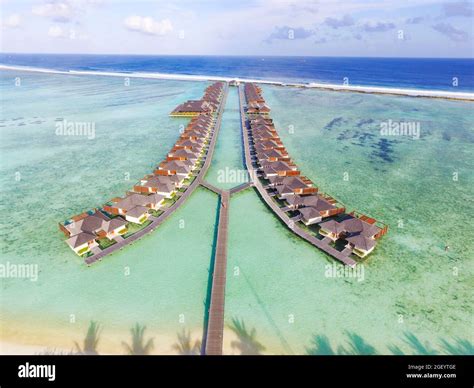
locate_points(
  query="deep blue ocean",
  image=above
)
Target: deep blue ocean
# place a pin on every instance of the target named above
(434, 74)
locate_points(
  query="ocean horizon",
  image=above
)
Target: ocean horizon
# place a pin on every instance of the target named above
(436, 74)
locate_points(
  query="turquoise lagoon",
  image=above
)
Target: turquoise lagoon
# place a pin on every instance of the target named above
(414, 294)
(227, 169)
(160, 281)
(276, 283)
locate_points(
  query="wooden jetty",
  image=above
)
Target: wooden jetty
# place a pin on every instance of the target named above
(215, 326)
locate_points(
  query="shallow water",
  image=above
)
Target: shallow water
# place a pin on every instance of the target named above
(276, 282)
(62, 176)
(411, 284)
(227, 168)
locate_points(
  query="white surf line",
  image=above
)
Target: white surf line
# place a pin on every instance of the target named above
(465, 96)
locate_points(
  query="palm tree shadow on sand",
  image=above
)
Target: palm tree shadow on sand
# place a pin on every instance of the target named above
(139, 346)
(91, 340)
(356, 345)
(458, 347)
(246, 343)
(185, 346)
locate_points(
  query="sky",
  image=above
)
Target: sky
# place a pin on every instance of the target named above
(363, 28)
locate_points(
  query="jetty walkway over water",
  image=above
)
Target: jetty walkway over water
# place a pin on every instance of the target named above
(156, 221)
(214, 331)
(342, 256)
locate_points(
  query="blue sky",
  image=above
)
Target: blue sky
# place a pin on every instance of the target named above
(380, 28)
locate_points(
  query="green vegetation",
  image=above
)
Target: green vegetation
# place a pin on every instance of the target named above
(155, 213)
(105, 242)
(170, 201)
(82, 251)
(134, 228)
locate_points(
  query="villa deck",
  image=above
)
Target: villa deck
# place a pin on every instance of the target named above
(342, 256)
(156, 221)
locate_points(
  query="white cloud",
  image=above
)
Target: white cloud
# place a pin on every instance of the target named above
(64, 11)
(59, 11)
(57, 32)
(147, 25)
(12, 21)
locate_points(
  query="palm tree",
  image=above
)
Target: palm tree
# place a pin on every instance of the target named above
(247, 344)
(358, 346)
(461, 347)
(185, 347)
(138, 347)
(320, 345)
(91, 340)
(419, 348)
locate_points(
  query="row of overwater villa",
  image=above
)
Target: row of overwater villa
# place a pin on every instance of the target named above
(296, 195)
(121, 217)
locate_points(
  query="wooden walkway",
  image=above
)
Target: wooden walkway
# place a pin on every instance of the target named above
(239, 188)
(157, 221)
(210, 187)
(343, 256)
(215, 325)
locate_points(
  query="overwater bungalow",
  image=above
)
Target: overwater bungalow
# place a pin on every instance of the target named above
(270, 169)
(269, 145)
(175, 167)
(331, 229)
(263, 135)
(253, 93)
(80, 228)
(154, 184)
(157, 199)
(320, 208)
(188, 144)
(291, 185)
(206, 106)
(194, 134)
(192, 108)
(117, 226)
(257, 108)
(359, 234)
(272, 155)
(257, 120)
(183, 154)
(82, 243)
(137, 214)
(279, 180)
(94, 222)
(86, 230)
(134, 207)
(361, 245)
(358, 231)
(90, 222)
